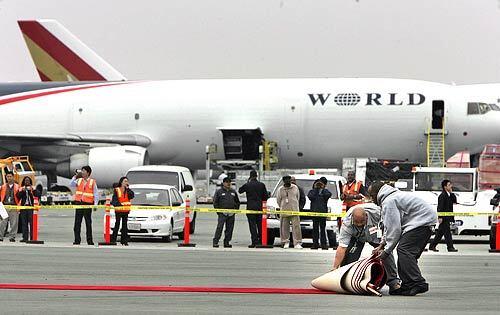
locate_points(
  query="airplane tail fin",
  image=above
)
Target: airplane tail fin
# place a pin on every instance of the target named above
(60, 56)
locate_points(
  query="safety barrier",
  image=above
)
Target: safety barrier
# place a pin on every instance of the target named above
(187, 226)
(235, 211)
(264, 227)
(107, 225)
(34, 232)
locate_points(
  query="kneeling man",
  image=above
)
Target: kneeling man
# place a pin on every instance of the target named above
(360, 226)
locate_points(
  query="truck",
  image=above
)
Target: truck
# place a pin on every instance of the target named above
(427, 185)
(20, 166)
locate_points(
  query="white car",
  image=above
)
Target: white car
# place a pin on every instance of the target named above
(306, 181)
(177, 176)
(164, 223)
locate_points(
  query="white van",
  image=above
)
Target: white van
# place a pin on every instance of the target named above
(177, 176)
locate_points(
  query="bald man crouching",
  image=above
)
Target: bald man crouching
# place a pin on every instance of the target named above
(360, 226)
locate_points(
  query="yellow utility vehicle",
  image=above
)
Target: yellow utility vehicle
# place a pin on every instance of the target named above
(20, 166)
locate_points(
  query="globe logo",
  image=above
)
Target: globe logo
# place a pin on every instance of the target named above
(347, 99)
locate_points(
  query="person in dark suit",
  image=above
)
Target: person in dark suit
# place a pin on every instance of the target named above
(26, 194)
(256, 193)
(445, 204)
(319, 197)
(225, 198)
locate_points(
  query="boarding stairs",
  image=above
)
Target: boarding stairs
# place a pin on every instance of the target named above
(435, 147)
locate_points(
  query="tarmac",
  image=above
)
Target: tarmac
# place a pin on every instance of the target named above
(460, 283)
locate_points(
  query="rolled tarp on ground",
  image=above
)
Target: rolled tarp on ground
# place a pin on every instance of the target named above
(365, 276)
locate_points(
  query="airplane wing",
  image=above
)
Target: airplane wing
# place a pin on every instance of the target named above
(121, 139)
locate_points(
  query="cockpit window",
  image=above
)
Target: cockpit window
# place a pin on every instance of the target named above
(483, 108)
(472, 109)
(494, 107)
(479, 108)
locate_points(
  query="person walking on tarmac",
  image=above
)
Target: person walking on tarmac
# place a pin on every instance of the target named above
(256, 193)
(225, 198)
(8, 196)
(445, 204)
(360, 226)
(26, 196)
(122, 195)
(353, 191)
(86, 194)
(408, 222)
(319, 197)
(287, 197)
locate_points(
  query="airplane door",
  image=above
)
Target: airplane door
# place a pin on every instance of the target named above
(437, 114)
(241, 144)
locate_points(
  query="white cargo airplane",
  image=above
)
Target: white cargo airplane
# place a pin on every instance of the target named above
(117, 124)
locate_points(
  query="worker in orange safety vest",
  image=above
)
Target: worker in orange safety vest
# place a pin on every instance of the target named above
(86, 194)
(8, 196)
(353, 192)
(122, 195)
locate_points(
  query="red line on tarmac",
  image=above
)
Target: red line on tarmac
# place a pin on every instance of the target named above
(67, 287)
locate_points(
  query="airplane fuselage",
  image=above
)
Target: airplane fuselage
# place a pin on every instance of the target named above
(316, 122)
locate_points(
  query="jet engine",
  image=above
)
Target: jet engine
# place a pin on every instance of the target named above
(108, 163)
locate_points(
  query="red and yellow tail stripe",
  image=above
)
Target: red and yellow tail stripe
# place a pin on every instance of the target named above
(54, 60)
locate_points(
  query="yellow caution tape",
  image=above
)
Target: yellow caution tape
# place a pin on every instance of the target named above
(464, 214)
(273, 212)
(234, 211)
(169, 208)
(71, 207)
